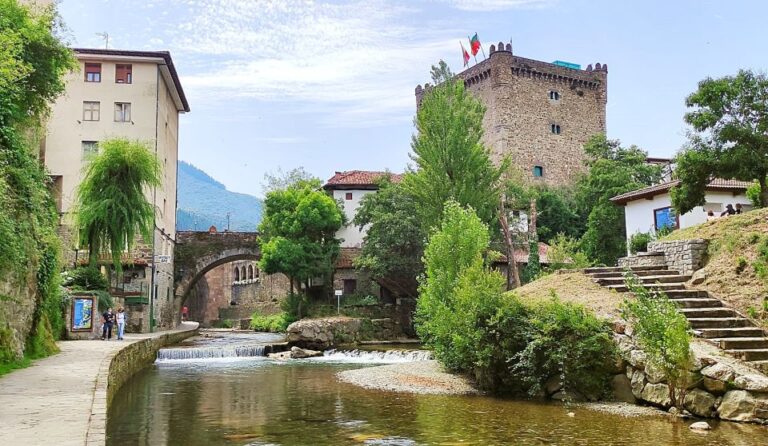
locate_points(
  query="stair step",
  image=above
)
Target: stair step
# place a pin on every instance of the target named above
(756, 354)
(742, 343)
(655, 286)
(654, 272)
(686, 294)
(708, 312)
(698, 303)
(718, 322)
(610, 269)
(733, 332)
(644, 280)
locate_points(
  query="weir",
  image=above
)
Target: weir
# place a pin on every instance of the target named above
(239, 351)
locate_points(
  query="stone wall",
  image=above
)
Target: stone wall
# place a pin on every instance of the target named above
(643, 259)
(685, 256)
(17, 307)
(717, 389)
(519, 111)
(324, 333)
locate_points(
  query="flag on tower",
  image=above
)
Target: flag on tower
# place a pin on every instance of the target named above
(464, 54)
(474, 44)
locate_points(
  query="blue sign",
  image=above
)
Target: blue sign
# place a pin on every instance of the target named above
(82, 313)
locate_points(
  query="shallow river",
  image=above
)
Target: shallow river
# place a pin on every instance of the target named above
(256, 401)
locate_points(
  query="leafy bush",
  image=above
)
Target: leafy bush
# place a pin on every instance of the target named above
(638, 242)
(474, 327)
(564, 253)
(532, 270)
(275, 323)
(360, 300)
(223, 323)
(295, 305)
(86, 278)
(663, 333)
(753, 194)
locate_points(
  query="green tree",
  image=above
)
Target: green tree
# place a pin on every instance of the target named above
(663, 333)
(613, 170)
(451, 161)
(282, 179)
(298, 232)
(394, 241)
(112, 205)
(33, 62)
(730, 118)
(558, 213)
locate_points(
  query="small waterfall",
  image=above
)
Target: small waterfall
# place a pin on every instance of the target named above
(238, 351)
(389, 356)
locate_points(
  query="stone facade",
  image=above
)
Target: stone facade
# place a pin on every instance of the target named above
(685, 256)
(17, 307)
(223, 293)
(525, 98)
(643, 259)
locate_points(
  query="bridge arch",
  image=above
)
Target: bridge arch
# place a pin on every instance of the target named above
(197, 253)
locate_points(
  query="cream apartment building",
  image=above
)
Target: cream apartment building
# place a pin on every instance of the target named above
(135, 95)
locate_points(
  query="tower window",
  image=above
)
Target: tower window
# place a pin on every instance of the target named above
(555, 129)
(123, 73)
(554, 95)
(538, 171)
(93, 72)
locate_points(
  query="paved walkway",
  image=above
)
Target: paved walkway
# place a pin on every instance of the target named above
(50, 402)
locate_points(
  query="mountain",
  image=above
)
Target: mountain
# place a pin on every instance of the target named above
(203, 202)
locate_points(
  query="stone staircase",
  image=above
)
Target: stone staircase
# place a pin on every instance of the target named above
(709, 318)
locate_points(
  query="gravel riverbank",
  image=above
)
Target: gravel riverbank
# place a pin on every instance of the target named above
(426, 377)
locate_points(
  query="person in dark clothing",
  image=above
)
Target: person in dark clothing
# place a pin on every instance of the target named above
(729, 210)
(109, 320)
(738, 208)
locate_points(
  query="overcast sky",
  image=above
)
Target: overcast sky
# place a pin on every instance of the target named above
(329, 85)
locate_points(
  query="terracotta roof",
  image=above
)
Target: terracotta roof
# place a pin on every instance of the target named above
(521, 255)
(165, 55)
(718, 184)
(364, 179)
(346, 257)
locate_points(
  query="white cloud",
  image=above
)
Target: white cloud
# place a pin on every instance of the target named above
(361, 60)
(498, 5)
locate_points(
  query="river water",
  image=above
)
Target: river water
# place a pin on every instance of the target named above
(250, 400)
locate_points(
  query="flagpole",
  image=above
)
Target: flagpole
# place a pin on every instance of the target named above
(481, 48)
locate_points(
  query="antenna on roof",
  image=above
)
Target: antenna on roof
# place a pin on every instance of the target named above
(104, 35)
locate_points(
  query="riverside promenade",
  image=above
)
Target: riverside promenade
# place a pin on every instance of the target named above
(62, 399)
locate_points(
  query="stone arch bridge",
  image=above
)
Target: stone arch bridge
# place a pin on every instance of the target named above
(196, 253)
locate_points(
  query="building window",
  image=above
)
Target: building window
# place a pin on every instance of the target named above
(237, 274)
(250, 272)
(554, 95)
(122, 111)
(555, 129)
(350, 286)
(91, 111)
(90, 148)
(538, 171)
(348, 196)
(93, 72)
(665, 218)
(123, 73)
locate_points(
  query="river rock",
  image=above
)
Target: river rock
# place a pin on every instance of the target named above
(654, 374)
(299, 353)
(699, 277)
(715, 386)
(700, 402)
(719, 371)
(657, 394)
(622, 389)
(553, 384)
(323, 333)
(637, 358)
(637, 383)
(740, 405)
(700, 425)
(751, 381)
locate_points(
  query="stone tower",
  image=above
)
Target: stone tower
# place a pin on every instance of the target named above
(538, 113)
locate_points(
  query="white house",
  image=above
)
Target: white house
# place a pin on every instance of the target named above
(650, 208)
(350, 187)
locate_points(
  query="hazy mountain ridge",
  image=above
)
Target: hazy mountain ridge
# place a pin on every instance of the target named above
(203, 202)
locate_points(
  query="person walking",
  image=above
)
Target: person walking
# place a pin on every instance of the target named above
(120, 323)
(109, 319)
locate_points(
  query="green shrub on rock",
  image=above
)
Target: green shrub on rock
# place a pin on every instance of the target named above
(275, 323)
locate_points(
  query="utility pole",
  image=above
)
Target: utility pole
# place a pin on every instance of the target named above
(228, 213)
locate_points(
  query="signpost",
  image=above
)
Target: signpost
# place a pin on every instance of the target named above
(338, 294)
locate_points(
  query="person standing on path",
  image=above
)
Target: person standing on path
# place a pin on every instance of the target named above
(120, 323)
(109, 319)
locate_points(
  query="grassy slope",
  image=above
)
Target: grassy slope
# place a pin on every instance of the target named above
(733, 240)
(576, 287)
